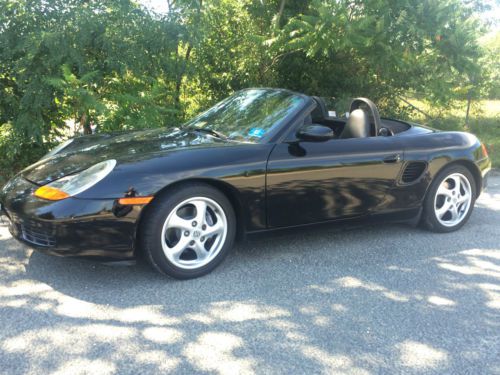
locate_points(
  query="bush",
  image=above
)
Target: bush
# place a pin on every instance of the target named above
(16, 153)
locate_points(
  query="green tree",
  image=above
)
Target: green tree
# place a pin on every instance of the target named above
(119, 66)
(382, 48)
(491, 64)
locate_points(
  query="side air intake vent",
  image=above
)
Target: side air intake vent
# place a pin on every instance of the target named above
(413, 171)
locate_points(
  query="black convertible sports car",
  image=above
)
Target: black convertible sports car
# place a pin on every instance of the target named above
(261, 159)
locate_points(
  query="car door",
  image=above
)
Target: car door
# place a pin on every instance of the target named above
(314, 181)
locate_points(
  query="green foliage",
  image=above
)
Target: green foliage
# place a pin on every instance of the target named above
(118, 66)
(65, 59)
(491, 64)
(16, 152)
(383, 48)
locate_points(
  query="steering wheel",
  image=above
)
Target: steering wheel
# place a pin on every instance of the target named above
(368, 106)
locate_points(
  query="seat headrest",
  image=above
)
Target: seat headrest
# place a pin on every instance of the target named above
(357, 126)
(371, 111)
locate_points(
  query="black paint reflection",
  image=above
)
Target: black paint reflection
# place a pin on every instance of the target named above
(309, 182)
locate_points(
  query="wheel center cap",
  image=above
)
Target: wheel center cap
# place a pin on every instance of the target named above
(196, 234)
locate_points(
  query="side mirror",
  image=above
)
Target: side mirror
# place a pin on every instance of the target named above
(315, 132)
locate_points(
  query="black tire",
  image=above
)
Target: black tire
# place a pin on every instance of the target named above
(429, 219)
(152, 225)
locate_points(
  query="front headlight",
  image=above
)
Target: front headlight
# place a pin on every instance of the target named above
(72, 185)
(57, 149)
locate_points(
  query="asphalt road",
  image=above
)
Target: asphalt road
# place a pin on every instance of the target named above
(379, 299)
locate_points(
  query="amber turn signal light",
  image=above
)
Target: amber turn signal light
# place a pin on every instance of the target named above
(134, 200)
(50, 193)
(485, 150)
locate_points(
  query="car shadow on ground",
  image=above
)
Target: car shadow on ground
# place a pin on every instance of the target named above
(322, 299)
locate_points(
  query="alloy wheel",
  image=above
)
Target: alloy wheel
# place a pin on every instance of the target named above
(194, 232)
(453, 200)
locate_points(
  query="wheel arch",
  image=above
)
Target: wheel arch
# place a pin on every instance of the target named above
(227, 189)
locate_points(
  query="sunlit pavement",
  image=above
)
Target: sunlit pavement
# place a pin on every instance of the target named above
(381, 299)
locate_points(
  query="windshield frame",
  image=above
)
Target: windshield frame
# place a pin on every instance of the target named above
(276, 130)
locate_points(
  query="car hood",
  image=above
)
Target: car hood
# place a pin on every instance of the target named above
(86, 151)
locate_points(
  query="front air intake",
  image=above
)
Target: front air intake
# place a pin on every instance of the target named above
(413, 171)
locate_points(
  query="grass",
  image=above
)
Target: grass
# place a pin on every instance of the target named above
(484, 122)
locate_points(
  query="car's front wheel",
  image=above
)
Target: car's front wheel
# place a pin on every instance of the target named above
(188, 230)
(449, 202)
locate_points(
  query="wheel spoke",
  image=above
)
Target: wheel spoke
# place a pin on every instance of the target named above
(443, 190)
(443, 210)
(201, 211)
(463, 198)
(454, 213)
(458, 184)
(178, 222)
(179, 247)
(218, 228)
(199, 249)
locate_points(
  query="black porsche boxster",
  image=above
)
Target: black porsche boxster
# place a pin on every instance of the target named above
(260, 160)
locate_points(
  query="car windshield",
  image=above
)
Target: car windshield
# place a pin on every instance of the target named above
(247, 115)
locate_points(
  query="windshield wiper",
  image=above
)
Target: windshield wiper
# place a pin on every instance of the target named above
(212, 132)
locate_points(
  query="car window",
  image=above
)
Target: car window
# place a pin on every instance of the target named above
(248, 115)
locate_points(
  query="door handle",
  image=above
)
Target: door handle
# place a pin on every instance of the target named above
(396, 158)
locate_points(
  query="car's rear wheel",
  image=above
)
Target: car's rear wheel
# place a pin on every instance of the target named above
(188, 230)
(450, 200)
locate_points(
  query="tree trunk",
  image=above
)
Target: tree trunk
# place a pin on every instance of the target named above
(280, 14)
(85, 124)
(178, 84)
(469, 100)
(180, 77)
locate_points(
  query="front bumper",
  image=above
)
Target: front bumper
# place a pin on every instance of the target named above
(70, 227)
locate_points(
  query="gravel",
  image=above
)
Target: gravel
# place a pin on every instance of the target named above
(374, 299)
